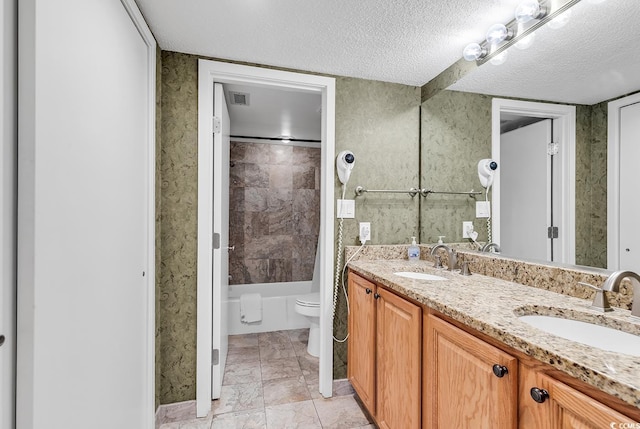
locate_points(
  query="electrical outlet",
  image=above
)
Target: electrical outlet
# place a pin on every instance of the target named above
(365, 231)
(467, 228)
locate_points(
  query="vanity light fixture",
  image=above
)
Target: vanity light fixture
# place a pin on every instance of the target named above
(528, 17)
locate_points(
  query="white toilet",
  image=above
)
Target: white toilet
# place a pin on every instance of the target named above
(309, 306)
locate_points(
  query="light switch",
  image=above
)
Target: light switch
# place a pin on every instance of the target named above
(483, 209)
(346, 209)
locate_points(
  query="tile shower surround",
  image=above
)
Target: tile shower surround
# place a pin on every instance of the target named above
(274, 212)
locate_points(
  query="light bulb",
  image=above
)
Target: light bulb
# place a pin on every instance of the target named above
(526, 42)
(498, 33)
(499, 59)
(560, 20)
(473, 51)
(528, 10)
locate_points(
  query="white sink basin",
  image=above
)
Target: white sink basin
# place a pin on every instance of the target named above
(418, 276)
(598, 336)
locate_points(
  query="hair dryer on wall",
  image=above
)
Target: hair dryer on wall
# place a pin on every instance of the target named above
(486, 170)
(344, 164)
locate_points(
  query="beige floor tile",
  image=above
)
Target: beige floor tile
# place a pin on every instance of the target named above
(310, 368)
(340, 388)
(180, 411)
(300, 335)
(188, 424)
(280, 368)
(253, 419)
(276, 337)
(298, 415)
(300, 348)
(340, 412)
(238, 397)
(243, 354)
(277, 351)
(241, 373)
(285, 390)
(246, 340)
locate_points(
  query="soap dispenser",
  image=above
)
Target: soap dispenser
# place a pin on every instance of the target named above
(414, 250)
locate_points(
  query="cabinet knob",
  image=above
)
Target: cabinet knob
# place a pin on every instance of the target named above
(376, 295)
(368, 291)
(539, 395)
(500, 370)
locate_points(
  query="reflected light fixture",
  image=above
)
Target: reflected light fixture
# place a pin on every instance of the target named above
(529, 10)
(498, 33)
(560, 21)
(499, 59)
(526, 42)
(528, 17)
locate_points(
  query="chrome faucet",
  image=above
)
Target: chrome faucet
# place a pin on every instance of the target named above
(453, 257)
(487, 247)
(612, 284)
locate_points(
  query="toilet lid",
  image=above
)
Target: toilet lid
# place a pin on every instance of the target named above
(309, 300)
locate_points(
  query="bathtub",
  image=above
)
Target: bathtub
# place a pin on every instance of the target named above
(278, 307)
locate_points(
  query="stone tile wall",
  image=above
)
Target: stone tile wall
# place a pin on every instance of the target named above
(274, 214)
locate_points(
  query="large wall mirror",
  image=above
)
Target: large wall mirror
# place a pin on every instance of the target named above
(587, 63)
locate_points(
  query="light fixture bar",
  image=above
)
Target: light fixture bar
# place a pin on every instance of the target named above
(513, 24)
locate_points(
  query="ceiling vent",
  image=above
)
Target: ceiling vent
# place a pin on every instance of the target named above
(239, 98)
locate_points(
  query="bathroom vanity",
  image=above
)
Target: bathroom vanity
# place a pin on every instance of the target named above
(454, 353)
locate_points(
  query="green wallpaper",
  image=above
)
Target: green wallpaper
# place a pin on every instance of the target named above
(176, 361)
(456, 132)
(378, 121)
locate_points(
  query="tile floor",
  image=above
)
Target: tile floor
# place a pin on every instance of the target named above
(271, 382)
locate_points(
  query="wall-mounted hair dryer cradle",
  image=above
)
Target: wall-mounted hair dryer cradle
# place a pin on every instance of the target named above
(486, 170)
(344, 164)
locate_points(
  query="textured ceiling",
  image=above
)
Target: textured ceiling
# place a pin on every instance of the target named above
(403, 41)
(593, 58)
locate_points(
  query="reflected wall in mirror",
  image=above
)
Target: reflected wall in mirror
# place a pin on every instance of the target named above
(584, 64)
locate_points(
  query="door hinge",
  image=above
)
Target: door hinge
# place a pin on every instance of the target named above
(552, 232)
(216, 241)
(215, 357)
(552, 149)
(216, 125)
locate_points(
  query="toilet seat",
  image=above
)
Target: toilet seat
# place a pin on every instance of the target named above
(309, 300)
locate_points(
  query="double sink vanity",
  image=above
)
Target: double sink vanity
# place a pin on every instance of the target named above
(513, 345)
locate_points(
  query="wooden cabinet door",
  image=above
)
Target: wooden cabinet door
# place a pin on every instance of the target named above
(464, 390)
(574, 410)
(399, 350)
(532, 414)
(361, 352)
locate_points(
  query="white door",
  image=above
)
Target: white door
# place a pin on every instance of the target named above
(85, 216)
(629, 179)
(8, 147)
(525, 181)
(221, 147)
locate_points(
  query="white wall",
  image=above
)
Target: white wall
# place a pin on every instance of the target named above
(8, 147)
(85, 216)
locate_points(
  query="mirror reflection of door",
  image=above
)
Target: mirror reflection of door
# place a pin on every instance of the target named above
(629, 178)
(529, 188)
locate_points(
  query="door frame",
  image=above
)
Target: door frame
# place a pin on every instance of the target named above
(214, 71)
(565, 115)
(613, 178)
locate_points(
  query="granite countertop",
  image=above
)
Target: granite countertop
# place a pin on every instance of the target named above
(491, 306)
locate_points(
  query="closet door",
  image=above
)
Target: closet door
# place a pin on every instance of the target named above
(85, 216)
